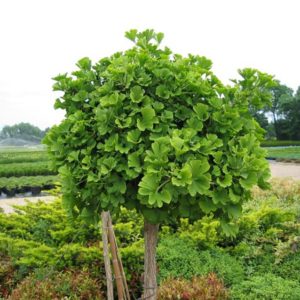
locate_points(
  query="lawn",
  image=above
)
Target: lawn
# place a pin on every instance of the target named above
(284, 152)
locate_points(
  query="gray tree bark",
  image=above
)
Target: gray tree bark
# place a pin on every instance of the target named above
(150, 282)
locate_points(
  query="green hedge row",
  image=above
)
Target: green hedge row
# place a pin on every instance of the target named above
(12, 185)
(24, 156)
(25, 169)
(275, 143)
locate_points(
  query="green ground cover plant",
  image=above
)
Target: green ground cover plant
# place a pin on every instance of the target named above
(261, 262)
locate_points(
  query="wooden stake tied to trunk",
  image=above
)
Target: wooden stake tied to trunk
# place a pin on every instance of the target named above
(109, 280)
(108, 235)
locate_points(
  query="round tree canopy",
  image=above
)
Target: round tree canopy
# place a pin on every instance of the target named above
(155, 131)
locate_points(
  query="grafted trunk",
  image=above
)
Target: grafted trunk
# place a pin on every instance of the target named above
(150, 282)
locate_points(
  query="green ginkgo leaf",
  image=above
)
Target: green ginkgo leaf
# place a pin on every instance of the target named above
(149, 184)
(163, 92)
(201, 111)
(220, 196)
(207, 205)
(134, 160)
(225, 181)
(147, 120)
(248, 182)
(182, 177)
(159, 198)
(234, 211)
(136, 94)
(200, 185)
(133, 136)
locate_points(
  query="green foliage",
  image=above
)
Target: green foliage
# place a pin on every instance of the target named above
(204, 232)
(205, 288)
(41, 235)
(24, 131)
(289, 153)
(276, 143)
(153, 130)
(7, 157)
(266, 287)
(25, 169)
(269, 230)
(39, 238)
(179, 258)
(34, 184)
(289, 266)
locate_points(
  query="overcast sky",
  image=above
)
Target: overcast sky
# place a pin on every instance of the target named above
(39, 39)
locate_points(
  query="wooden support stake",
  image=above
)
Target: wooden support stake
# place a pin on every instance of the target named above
(116, 267)
(125, 286)
(109, 281)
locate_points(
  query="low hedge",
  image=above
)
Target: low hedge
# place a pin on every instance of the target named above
(276, 143)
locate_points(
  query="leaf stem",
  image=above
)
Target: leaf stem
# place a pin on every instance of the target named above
(164, 183)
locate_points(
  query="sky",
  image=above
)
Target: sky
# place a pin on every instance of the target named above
(40, 39)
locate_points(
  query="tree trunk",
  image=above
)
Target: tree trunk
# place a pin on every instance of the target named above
(150, 283)
(109, 281)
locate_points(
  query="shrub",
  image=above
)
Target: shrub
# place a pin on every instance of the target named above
(180, 258)
(6, 276)
(204, 288)
(266, 287)
(71, 284)
(275, 143)
(203, 232)
(289, 267)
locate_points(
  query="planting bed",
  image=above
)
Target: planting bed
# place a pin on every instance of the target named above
(25, 171)
(33, 184)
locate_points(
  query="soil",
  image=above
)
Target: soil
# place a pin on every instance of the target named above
(278, 169)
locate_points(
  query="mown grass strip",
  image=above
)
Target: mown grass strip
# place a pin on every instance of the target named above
(284, 153)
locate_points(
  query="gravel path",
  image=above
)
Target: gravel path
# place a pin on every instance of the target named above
(6, 204)
(278, 169)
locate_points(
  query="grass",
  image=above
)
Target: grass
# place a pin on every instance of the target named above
(284, 153)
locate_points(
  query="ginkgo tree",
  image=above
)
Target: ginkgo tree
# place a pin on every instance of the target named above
(155, 131)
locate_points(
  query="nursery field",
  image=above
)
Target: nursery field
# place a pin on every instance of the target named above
(46, 255)
(284, 152)
(25, 170)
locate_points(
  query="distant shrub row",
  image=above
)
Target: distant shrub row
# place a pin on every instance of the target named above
(275, 143)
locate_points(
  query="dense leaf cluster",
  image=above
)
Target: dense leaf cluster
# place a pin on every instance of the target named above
(156, 131)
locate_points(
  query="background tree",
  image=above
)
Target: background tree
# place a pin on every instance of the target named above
(281, 96)
(158, 132)
(24, 131)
